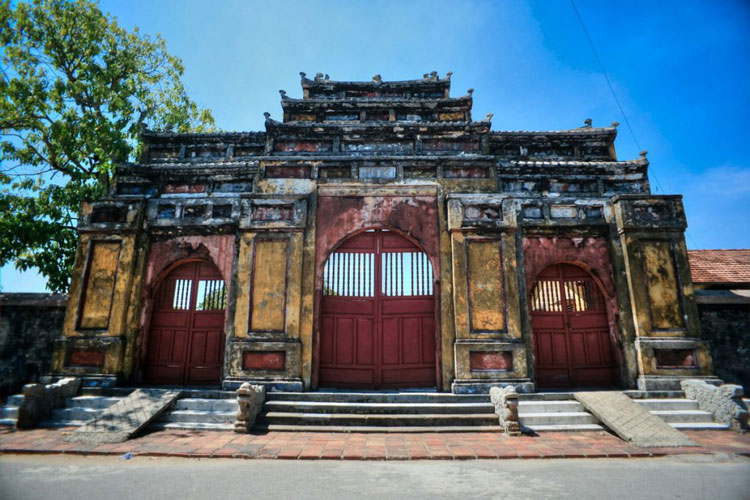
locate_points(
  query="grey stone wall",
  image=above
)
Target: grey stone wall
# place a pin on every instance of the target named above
(29, 323)
(727, 329)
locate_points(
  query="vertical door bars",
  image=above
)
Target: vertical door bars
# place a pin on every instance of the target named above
(403, 274)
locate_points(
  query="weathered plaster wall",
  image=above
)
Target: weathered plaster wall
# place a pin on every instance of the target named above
(665, 315)
(342, 216)
(29, 324)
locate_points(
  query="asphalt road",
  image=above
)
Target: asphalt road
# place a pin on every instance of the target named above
(61, 477)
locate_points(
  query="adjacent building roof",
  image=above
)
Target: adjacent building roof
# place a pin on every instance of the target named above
(720, 266)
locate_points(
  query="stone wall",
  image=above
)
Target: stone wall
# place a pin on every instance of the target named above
(29, 323)
(726, 327)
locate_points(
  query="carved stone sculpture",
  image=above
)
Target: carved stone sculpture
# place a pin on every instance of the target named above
(250, 400)
(505, 400)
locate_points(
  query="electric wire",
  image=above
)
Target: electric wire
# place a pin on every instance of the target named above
(619, 105)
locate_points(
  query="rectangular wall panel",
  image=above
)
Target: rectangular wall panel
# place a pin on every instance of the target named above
(663, 293)
(268, 300)
(99, 284)
(485, 283)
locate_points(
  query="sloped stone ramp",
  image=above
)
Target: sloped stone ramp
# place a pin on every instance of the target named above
(631, 421)
(127, 417)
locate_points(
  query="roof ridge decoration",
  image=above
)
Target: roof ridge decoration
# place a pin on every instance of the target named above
(324, 79)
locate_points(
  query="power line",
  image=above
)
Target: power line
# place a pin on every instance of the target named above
(611, 88)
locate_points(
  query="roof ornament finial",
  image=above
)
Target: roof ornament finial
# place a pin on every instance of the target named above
(448, 75)
(426, 76)
(615, 124)
(377, 79)
(433, 75)
(327, 77)
(488, 118)
(318, 77)
(470, 91)
(587, 122)
(267, 115)
(303, 77)
(283, 94)
(643, 154)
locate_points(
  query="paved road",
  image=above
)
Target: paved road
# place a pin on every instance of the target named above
(143, 478)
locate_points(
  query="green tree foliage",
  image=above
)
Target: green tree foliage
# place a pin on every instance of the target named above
(76, 89)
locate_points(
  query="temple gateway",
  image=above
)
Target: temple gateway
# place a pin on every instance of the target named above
(377, 237)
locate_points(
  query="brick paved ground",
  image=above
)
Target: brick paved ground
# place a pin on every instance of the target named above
(314, 445)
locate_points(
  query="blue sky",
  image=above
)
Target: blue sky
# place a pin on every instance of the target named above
(680, 70)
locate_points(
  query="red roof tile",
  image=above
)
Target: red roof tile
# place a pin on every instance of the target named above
(720, 266)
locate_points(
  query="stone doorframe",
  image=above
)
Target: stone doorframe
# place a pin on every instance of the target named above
(344, 211)
(165, 256)
(592, 254)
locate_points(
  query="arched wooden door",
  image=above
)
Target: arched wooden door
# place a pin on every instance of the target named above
(378, 315)
(572, 346)
(186, 339)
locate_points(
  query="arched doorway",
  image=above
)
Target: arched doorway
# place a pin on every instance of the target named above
(377, 326)
(186, 339)
(572, 346)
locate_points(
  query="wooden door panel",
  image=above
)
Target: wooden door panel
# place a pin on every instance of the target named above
(344, 341)
(365, 341)
(428, 339)
(390, 341)
(411, 336)
(570, 328)
(186, 345)
(372, 281)
(327, 334)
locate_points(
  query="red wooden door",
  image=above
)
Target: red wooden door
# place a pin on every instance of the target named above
(572, 345)
(186, 340)
(378, 315)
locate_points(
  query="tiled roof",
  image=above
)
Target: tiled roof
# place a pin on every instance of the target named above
(720, 266)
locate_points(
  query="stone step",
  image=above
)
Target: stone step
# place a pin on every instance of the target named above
(199, 416)
(206, 404)
(655, 394)
(379, 408)
(184, 392)
(9, 413)
(546, 396)
(683, 416)
(378, 420)
(557, 418)
(548, 406)
(565, 427)
(203, 426)
(668, 404)
(377, 397)
(76, 413)
(14, 400)
(94, 402)
(378, 429)
(62, 423)
(699, 426)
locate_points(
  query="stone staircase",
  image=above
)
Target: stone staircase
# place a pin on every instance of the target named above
(9, 412)
(375, 412)
(555, 412)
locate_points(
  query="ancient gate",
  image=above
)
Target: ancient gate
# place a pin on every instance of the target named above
(186, 339)
(572, 346)
(378, 315)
